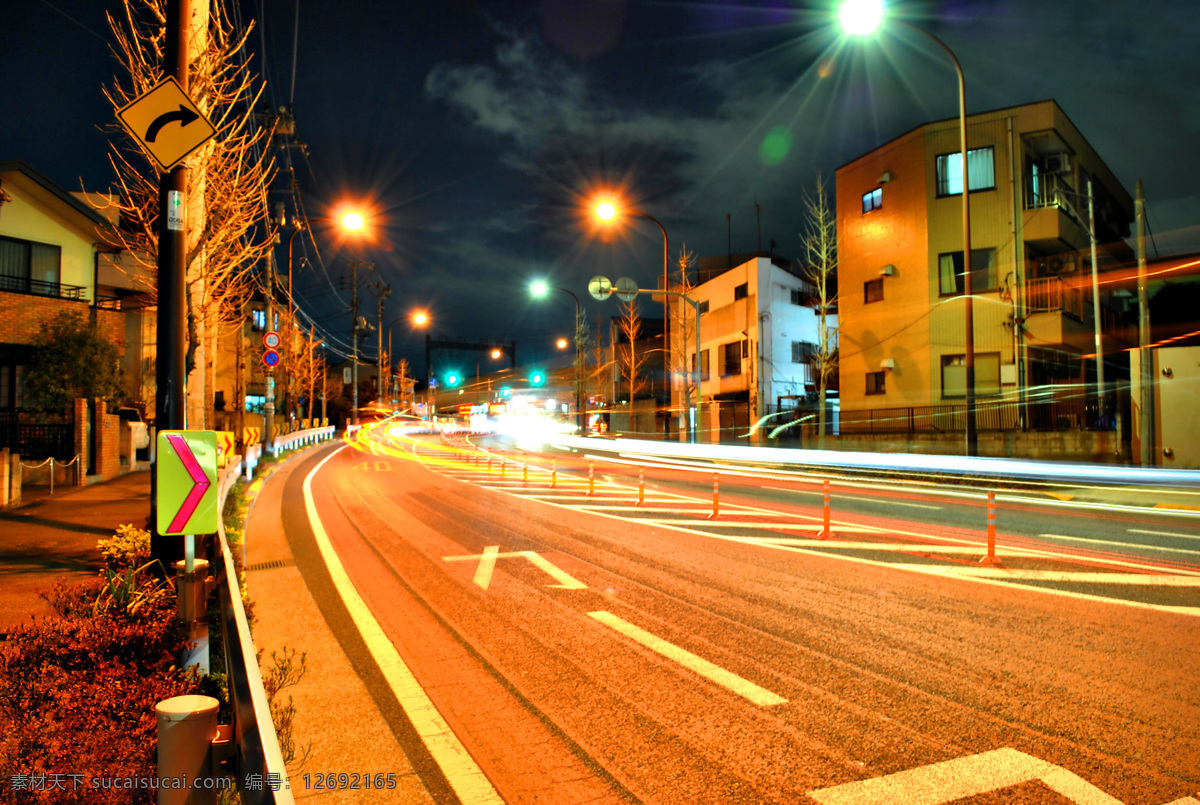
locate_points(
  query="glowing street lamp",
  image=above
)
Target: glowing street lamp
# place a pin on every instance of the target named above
(862, 18)
(607, 211)
(561, 343)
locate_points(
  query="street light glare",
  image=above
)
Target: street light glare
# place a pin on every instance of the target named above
(606, 211)
(562, 343)
(538, 288)
(861, 17)
(420, 318)
(353, 221)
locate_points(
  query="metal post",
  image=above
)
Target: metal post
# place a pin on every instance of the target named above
(186, 729)
(991, 559)
(716, 495)
(1145, 369)
(825, 531)
(1100, 401)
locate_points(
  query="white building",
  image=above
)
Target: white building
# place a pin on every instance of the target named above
(759, 332)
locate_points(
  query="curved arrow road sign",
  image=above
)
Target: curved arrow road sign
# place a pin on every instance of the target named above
(166, 122)
(187, 482)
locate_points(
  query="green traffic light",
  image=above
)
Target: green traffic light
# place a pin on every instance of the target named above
(452, 380)
(537, 378)
(506, 392)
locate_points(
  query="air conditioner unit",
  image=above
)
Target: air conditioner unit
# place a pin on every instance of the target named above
(884, 177)
(1058, 163)
(887, 271)
(887, 363)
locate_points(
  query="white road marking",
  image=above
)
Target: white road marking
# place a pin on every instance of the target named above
(490, 554)
(462, 773)
(1163, 533)
(1117, 545)
(961, 778)
(840, 496)
(706, 669)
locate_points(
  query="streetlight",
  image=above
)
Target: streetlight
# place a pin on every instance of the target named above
(607, 211)
(351, 222)
(861, 18)
(418, 318)
(539, 289)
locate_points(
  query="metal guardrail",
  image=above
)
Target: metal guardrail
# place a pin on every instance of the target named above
(256, 743)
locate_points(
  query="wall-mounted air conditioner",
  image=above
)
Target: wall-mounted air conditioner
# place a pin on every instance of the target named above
(887, 271)
(1058, 163)
(887, 363)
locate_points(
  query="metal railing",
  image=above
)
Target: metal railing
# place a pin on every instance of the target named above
(34, 287)
(1065, 413)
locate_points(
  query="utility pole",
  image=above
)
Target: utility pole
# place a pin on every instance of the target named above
(354, 335)
(383, 291)
(170, 377)
(1145, 369)
(268, 434)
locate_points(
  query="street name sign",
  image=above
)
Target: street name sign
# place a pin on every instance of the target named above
(187, 482)
(166, 122)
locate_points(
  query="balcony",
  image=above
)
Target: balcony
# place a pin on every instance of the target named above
(25, 285)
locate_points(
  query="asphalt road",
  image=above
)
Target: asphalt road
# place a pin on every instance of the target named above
(583, 649)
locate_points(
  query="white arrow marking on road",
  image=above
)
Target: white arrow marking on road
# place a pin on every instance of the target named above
(964, 777)
(487, 562)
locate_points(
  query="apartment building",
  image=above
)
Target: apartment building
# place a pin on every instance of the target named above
(759, 333)
(901, 276)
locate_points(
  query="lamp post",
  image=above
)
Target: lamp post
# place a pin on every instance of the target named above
(539, 289)
(419, 318)
(863, 17)
(608, 211)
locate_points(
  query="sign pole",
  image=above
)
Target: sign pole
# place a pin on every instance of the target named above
(170, 376)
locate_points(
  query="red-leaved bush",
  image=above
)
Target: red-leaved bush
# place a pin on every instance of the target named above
(77, 698)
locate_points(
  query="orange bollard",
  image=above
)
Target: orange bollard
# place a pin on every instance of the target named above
(489, 462)
(554, 472)
(641, 485)
(991, 559)
(525, 472)
(825, 532)
(716, 495)
(591, 477)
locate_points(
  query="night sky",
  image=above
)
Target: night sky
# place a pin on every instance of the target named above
(477, 130)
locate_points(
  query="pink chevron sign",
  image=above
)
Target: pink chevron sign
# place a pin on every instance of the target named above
(199, 479)
(186, 497)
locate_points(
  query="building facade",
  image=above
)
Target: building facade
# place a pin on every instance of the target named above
(901, 276)
(759, 332)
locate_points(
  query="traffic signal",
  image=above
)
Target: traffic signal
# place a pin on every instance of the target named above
(452, 380)
(537, 378)
(506, 391)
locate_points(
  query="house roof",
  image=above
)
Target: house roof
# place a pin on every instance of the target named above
(21, 173)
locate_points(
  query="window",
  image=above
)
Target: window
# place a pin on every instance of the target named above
(797, 296)
(987, 374)
(876, 382)
(873, 291)
(258, 321)
(703, 307)
(980, 166)
(703, 364)
(731, 358)
(27, 267)
(803, 351)
(256, 403)
(741, 291)
(983, 272)
(873, 200)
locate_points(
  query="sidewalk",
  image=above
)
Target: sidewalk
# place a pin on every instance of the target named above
(51, 537)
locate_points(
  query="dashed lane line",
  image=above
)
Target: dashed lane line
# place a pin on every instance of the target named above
(1115, 544)
(710, 671)
(1163, 534)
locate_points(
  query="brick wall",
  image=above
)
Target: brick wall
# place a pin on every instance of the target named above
(81, 434)
(108, 442)
(21, 317)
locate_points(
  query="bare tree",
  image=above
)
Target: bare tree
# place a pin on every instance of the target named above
(629, 360)
(229, 175)
(820, 269)
(683, 328)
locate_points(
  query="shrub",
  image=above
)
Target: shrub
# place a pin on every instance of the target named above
(129, 546)
(77, 694)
